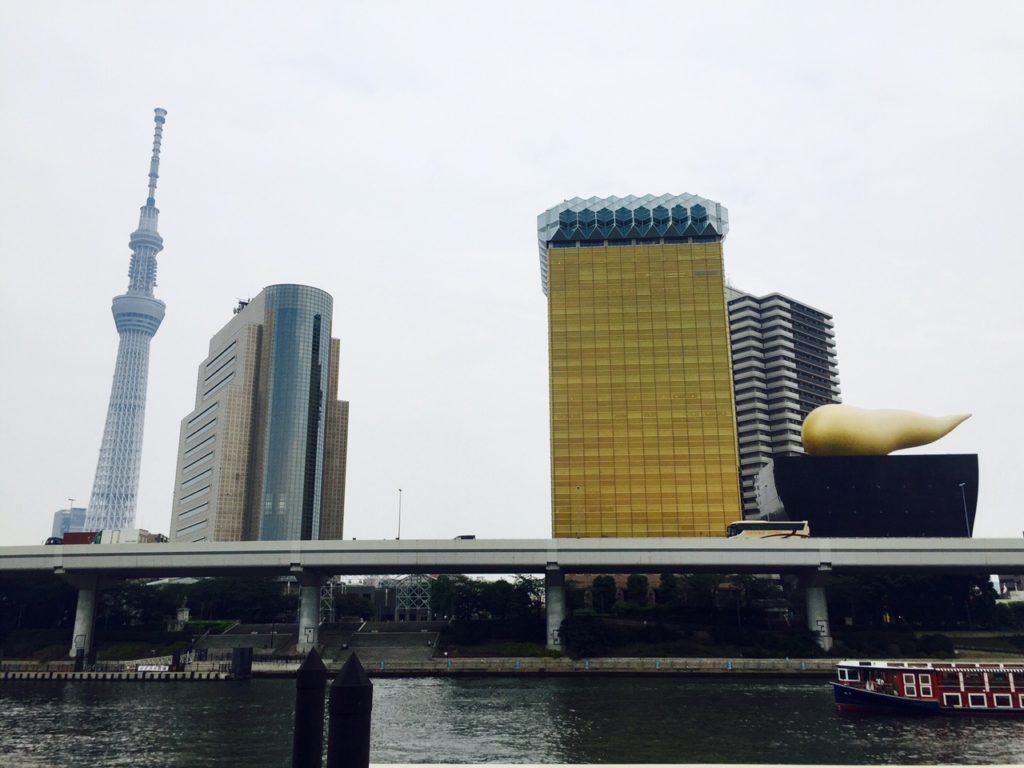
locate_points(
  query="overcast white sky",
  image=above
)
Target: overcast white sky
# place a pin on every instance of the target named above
(397, 155)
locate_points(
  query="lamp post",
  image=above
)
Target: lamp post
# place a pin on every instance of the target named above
(399, 515)
(963, 497)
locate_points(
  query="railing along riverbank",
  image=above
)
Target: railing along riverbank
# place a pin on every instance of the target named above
(439, 667)
(482, 667)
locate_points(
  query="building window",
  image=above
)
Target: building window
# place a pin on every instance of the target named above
(204, 412)
(197, 479)
(218, 386)
(221, 354)
(207, 426)
(197, 446)
(194, 511)
(224, 365)
(192, 528)
(194, 495)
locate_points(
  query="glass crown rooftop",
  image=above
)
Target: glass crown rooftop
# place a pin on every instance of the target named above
(628, 220)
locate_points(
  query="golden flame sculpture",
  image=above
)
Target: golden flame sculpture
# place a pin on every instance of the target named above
(842, 430)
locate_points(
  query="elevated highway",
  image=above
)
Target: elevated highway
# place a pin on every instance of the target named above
(88, 566)
(481, 556)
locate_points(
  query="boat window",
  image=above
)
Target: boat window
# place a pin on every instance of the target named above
(949, 679)
(842, 674)
(974, 679)
(909, 685)
(1000, 679)
(1003, 700)
(976, 699)
(1021, 700)
(951, 699)
(926, 685)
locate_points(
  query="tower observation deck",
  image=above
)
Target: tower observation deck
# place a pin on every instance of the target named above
(137, 316)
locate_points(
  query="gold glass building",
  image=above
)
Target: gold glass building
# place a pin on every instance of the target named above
(643, 422)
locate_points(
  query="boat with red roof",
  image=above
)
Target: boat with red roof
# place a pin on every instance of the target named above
(930, 687)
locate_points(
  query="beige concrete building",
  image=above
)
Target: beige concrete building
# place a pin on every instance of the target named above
(262, 454)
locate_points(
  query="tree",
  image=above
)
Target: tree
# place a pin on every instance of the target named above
(468, 599)
(37, 602)
(603, 591)
(669, 591)
(249, 600)
(527, 597)
(442, 596)
(496, 598)
(699, 590)
(455, 596)
(353, 605)
(636, 589)
(943, 601)
(135, 603)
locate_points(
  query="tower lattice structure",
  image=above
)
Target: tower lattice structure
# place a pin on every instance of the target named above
(137, 315)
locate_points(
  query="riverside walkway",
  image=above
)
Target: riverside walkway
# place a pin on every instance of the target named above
(515, 667)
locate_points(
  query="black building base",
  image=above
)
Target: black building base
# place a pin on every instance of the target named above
(839, 496)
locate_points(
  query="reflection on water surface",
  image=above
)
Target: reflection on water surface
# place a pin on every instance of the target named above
(543, 720)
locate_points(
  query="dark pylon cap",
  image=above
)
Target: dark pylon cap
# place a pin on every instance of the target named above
(312, 673)
(351, 691)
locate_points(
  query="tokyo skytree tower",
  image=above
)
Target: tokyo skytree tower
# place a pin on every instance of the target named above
(137, 315)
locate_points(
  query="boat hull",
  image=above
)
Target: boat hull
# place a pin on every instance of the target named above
(859, 700)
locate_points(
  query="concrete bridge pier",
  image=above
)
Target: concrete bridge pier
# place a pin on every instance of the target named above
(85, 613)
(554, 602)
(309, 610)
(817, 611)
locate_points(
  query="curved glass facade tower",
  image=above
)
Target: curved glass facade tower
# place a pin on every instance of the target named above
(298, 330)
(137, 315)
(262, 455)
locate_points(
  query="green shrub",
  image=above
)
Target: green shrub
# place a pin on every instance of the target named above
(634, 611)
(801, 643)
(201, 627)
(528, 650)
(590, 636)
(525, 629)
(935, 645)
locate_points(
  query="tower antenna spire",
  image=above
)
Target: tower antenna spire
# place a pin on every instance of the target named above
(154, 163)
(137, 316)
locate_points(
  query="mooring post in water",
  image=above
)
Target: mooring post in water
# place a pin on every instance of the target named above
(308, 734)
(241, 663)
(348, 724)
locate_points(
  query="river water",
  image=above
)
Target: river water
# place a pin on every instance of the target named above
(543, 720)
